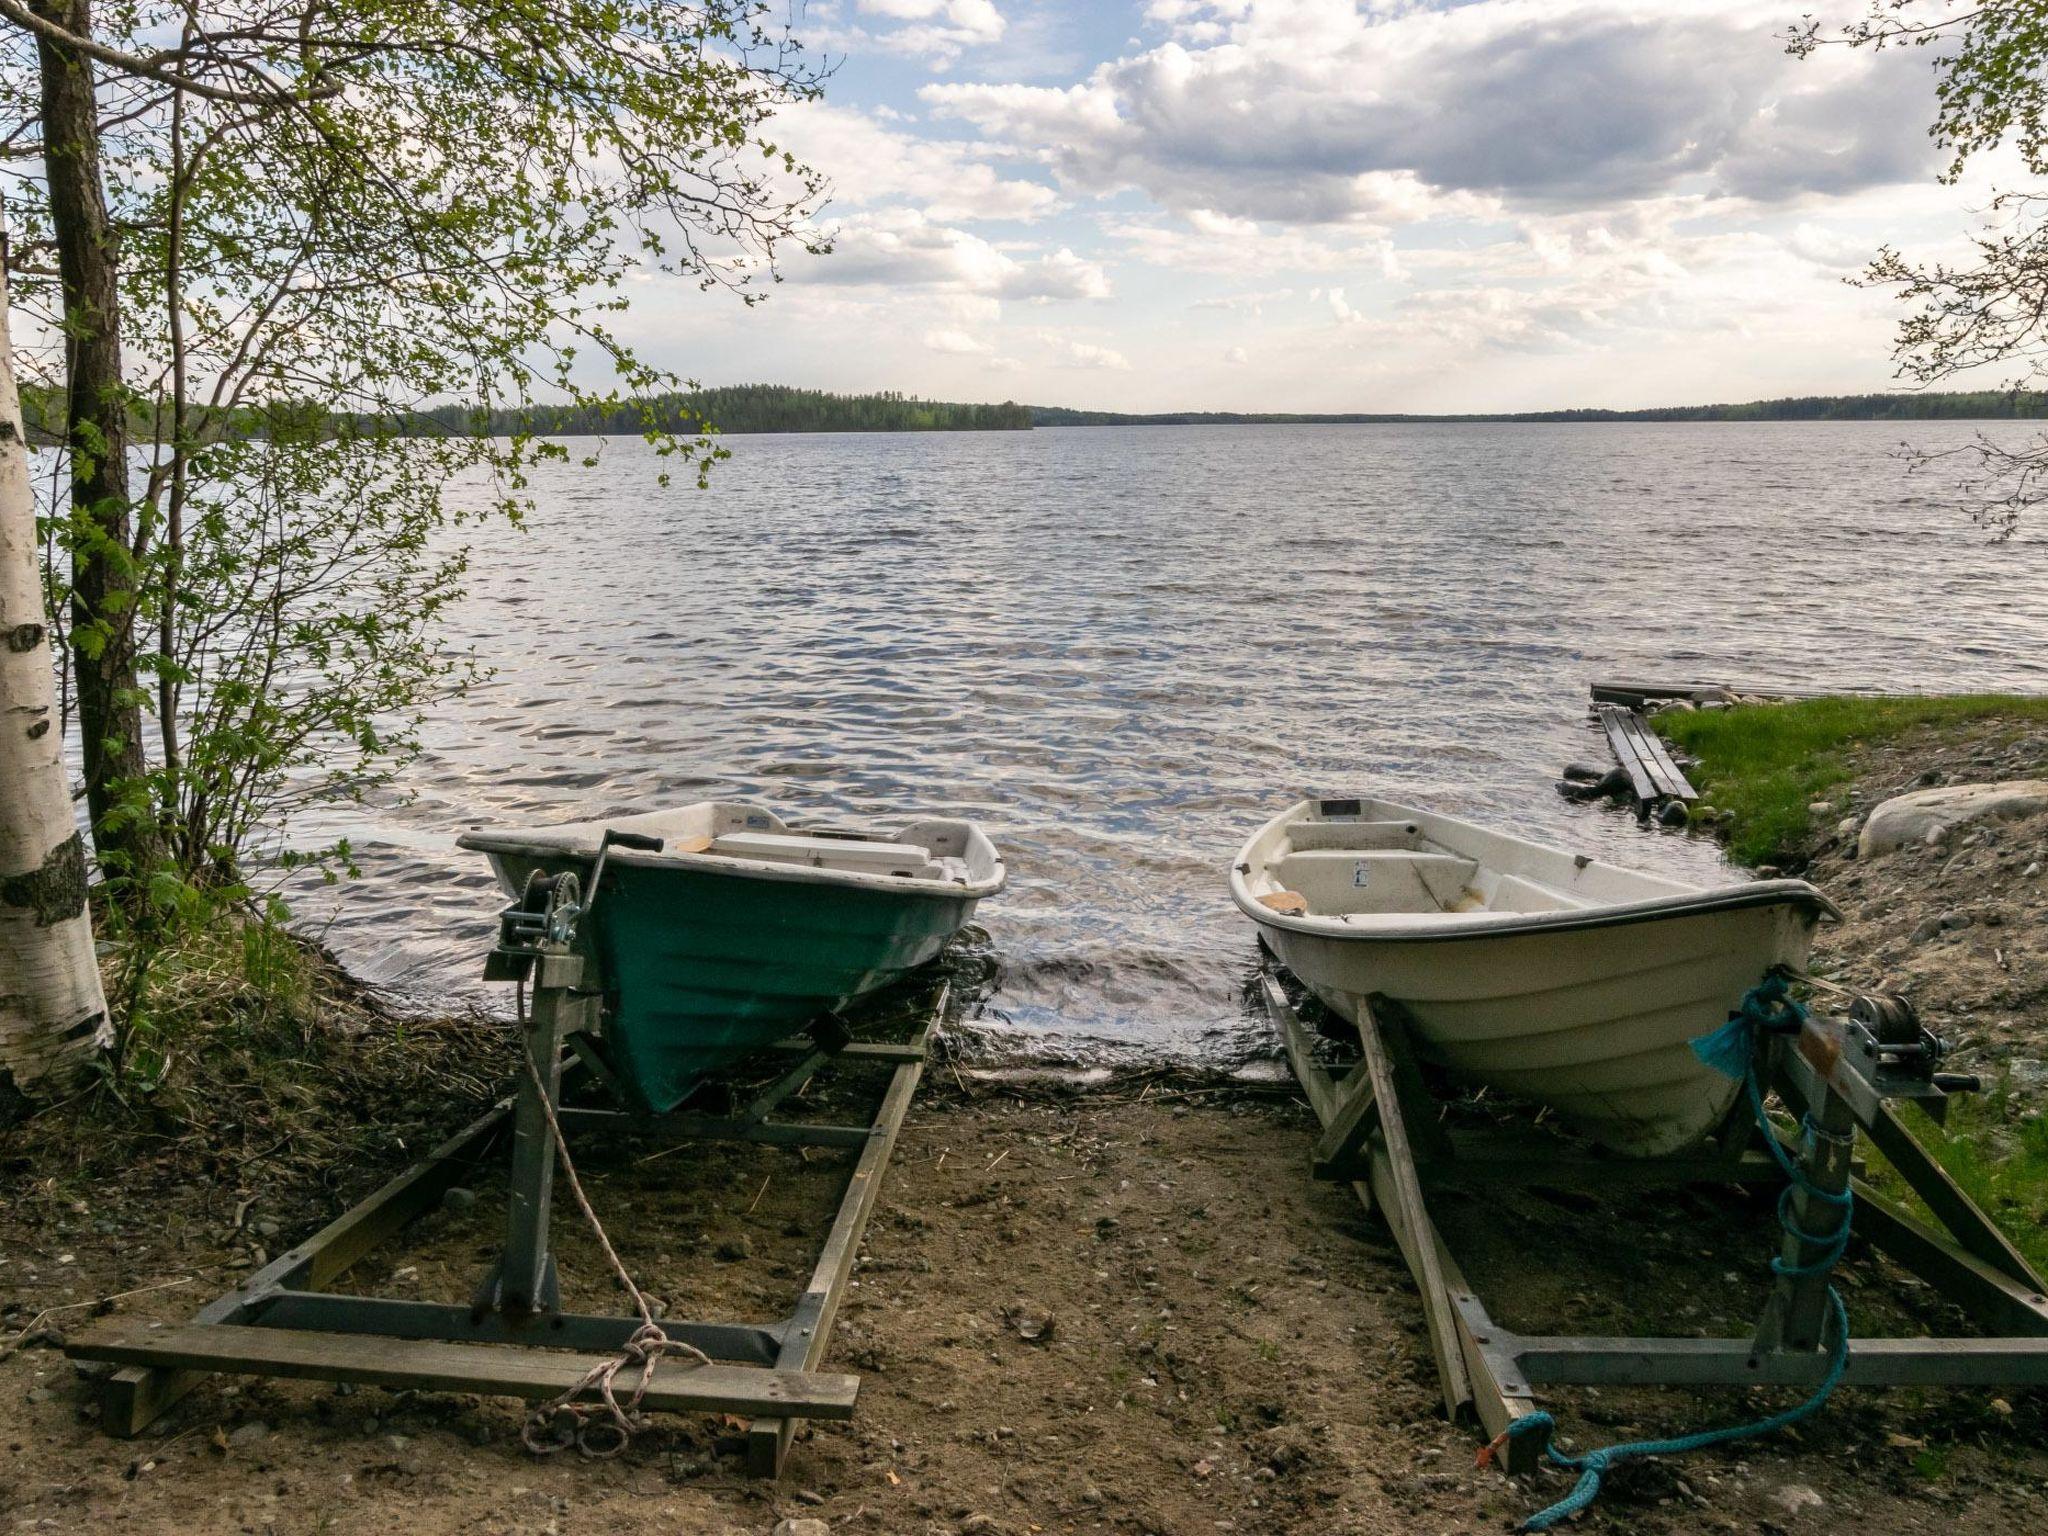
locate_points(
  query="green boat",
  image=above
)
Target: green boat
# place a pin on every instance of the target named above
(719, 928)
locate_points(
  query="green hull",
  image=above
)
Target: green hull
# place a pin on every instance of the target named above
(701, 967)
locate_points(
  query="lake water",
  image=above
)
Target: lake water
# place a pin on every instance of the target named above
(1121, 649)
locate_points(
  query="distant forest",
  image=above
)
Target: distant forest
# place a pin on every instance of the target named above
(1973, 405)
(746, 408)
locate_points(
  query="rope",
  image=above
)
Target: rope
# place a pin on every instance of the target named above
(1768, 1007)
(564, 1421)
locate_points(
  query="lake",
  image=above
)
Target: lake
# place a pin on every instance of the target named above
(1122, 648)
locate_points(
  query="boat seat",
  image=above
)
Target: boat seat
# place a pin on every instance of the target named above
(1511, 893)
(872, 858)
(1303, 836)
(1386, 880)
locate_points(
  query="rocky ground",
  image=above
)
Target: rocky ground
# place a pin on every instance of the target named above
(1124, 1309)
(1959, 924)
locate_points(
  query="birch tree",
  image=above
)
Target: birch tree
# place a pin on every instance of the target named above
(51, 1008)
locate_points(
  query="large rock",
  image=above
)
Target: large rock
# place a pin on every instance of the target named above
(1927, 815)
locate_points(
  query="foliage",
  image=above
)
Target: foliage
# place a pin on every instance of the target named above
(1766, 763)
(252, 1045)
(331, 214)
(1995, 1145)
(743, 408)
(1991, 88)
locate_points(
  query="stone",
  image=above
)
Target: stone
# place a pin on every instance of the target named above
(1956, 920)
(1819, 808)
(1928, 928)
(1928, 815)
(1847, 827)
(805, 1527)
(255, 1432)
(1794, 1497)
(1672, 813)
(733, 1249)
(2032, 870)
(1029, 1320)
(458, 1201)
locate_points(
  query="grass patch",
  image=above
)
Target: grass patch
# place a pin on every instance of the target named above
(247, 1047)
(1996, 1149)
(1766, 763)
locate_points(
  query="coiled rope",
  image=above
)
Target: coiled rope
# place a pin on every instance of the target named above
(1768, 1008)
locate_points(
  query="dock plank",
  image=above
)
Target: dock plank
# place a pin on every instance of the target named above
(1613, 721)
(494, 1370)
(1639, 749)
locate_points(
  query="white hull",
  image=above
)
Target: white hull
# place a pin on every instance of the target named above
(1545, 974)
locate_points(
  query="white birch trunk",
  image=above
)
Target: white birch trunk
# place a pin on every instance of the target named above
(52, 1011)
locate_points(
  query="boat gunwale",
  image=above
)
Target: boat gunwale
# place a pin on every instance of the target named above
(480, 841)
(1468, 927)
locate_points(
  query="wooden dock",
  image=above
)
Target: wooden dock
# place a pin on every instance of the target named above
(1642, 753)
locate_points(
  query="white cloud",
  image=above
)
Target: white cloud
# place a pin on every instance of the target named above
(901, 248)
(956, 342)
(1237, 355)
(936, 30)
(870, 164)
(1253, 304)
(1086, 354)
(1316, 112)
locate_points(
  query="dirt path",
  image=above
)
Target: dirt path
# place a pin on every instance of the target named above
(1232, 1348)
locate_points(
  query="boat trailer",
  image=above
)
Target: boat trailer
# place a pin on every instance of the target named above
(1381, 1133)
(513, 1339)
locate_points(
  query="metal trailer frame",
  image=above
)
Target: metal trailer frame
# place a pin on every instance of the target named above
(1380, 1133)
(284, 1320)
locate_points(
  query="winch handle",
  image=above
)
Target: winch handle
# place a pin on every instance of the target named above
(640, 842)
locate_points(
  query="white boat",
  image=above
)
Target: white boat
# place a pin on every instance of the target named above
(1546, 974)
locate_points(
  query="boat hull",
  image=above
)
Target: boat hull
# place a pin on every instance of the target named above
(700, 968)
(1547, 975)
(1598, 1030)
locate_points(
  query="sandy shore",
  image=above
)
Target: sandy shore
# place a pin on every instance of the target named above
(1230, 1346)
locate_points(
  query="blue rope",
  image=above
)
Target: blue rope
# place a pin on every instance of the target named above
(1768, 1007)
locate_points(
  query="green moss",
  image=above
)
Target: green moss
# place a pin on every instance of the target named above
(1766, 763)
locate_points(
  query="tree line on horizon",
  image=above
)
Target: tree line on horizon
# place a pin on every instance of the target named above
(1954, 405)
(742, 409)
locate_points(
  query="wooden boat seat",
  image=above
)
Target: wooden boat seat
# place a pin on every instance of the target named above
(844, 853)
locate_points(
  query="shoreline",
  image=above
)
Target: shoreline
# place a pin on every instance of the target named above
(1232, 1346)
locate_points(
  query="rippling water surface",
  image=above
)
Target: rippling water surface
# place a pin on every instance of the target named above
(1121, 649)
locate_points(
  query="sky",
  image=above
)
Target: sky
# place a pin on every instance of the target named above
(1328, 205)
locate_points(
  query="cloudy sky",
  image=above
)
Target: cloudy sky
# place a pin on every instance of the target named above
(1407, 205)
